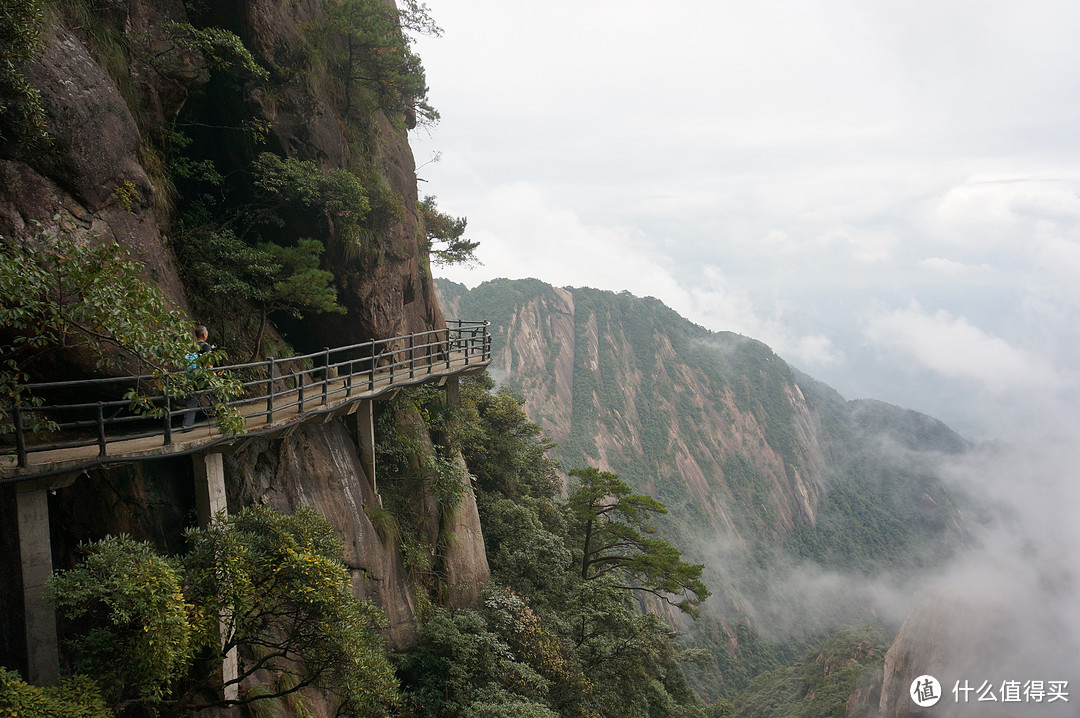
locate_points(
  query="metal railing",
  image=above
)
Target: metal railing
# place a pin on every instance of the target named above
(273, 390)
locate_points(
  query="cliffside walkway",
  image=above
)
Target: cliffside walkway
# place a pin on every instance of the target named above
(277, 395)
(95, 426)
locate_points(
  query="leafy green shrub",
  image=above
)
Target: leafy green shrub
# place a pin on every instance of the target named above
(59, 290)
(278, 586)
(141, 641)
(75, 697)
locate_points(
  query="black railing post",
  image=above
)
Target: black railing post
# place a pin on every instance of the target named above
(348, 381)
(393, 361)
(299, 391)
(374, 362)
(448, 347)
(20, 437)
(429, 351)
(326, 375)
(168, 420)
(412, 357)
(270, 390)
(101, 429)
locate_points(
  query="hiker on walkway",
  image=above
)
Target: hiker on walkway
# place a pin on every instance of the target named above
(202, 334)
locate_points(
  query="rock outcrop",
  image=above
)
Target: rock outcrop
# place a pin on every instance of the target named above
(101, 175)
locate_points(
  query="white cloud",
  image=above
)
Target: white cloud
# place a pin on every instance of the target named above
(522, 234)
(953, 347)
(953, 269)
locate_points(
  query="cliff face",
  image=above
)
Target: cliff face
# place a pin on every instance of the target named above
(101, 176)
(388, 297)
(90, 175)
(761, 467)
(626, 385)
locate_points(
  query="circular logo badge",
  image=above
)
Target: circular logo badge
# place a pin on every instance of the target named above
(925, 691)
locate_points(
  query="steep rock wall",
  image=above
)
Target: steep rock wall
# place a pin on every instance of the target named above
(95, 175)
(604, 380)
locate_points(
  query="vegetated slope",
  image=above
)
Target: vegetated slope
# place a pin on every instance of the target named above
(764, 470)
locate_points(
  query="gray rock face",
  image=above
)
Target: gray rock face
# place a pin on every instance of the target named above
(90, 174)
(317, 466)
(465, 559)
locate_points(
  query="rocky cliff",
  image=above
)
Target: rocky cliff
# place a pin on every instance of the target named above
(119, 82)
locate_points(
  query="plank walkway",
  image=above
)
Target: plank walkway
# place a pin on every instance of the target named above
(322, 399)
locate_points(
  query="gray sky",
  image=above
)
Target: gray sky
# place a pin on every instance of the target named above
(885, 193)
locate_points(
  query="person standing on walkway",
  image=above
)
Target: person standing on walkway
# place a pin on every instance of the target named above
(202, 345)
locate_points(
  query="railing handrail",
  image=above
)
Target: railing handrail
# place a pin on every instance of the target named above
(387, 362)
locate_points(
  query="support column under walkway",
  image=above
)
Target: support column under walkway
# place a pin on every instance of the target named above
(209, 500)
(35, 553)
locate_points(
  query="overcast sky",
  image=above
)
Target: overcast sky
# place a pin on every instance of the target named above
(884, 192)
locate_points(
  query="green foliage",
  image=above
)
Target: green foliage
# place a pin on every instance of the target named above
(337, 193)
(628, 656)
(614, 534)
(443, 235)
(545, 641)
(231, 273)
(141, 641)
(59, 291)
(22, 116)
(75, 697)
(298, 283)
(499, 659)
(819, 685)
(278, 586)
(368, 50)
(269, 585)
(218, 47)
(524, 554)
(503, 449)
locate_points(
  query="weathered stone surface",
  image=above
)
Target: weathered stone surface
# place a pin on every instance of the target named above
(464, 558)
(951, 639)
(89, 175)
(318, 466)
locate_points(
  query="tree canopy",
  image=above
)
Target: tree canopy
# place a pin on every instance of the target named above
(614, 536)
(444, 235)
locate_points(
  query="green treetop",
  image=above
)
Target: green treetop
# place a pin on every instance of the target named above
(615, 537)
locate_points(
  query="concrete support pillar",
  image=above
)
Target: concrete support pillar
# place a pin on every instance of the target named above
(209, 500)
(365, 439)
(209, 487)
(35, 551)
(453, 391)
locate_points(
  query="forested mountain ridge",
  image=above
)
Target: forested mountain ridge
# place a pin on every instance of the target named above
(762, 468)
(713, 423)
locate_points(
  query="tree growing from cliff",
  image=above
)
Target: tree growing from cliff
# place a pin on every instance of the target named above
(369, 48)
(137, 640)
(444, 237)
(614, 537)
(280, 590)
